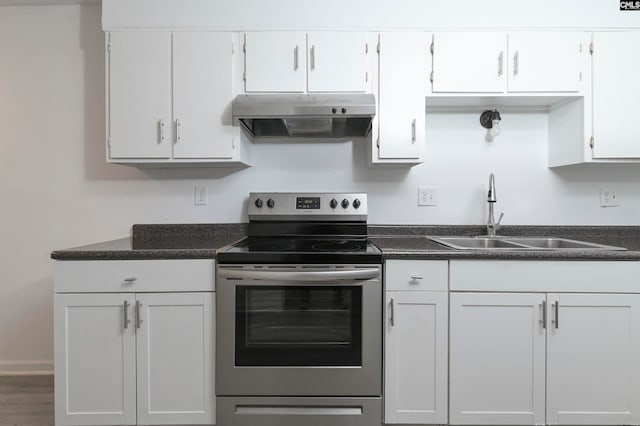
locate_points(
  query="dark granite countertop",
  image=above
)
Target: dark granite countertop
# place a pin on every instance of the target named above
(194, 241)
(410, 242)
(181, 241)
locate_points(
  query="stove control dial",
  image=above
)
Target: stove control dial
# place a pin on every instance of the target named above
(270, 203)
(356, 203)
(333, 203)
(258, 203)
(345, 203)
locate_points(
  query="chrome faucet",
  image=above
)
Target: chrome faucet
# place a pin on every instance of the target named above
(492, 225)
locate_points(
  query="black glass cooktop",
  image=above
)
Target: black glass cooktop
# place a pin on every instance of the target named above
(300, 250)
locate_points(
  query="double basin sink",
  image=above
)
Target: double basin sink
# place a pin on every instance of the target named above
(519, 243)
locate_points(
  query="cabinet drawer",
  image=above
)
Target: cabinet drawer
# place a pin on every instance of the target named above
(416, 275)
(121, 276)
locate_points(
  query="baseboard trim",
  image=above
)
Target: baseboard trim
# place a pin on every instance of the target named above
(26, 368)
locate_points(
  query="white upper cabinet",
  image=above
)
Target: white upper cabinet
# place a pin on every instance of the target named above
(517, 62)
(169, 97)
(546, 61)
(469, 62)
(275, 61)
(139, 121)
(337, 62)
(402, 89)
(298, 62)
(616, 91)
(202, 93)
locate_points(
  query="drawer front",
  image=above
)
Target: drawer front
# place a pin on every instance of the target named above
(418, 275)
(122, 276)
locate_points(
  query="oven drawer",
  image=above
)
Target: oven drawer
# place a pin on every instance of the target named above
(420, 275)
(296, 411)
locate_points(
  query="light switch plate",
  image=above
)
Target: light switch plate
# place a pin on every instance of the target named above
(609, 197)
(200, 196)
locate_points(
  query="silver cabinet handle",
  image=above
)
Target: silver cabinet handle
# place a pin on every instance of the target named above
(312, 60)
(126, 314)
(516, 63)
(391, 319)
(178, 124)
(500, 63)
(161, 130)
(417, 277)
(543, 305)
(138, 317)
(413, 131)
(295, 58)
(358, 274)
(557, 315)
(130, 279)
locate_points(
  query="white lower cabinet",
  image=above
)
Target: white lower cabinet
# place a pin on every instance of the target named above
(528, 347)
(415, 390)
(134, 358)
(497, 371)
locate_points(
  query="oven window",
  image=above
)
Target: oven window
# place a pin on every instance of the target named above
(298, 325)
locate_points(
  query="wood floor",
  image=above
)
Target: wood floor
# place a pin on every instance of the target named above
(26, 400)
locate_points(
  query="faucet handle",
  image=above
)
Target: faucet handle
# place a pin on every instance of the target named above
(499, 219)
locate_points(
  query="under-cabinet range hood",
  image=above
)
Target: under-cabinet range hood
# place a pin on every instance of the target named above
(304, 115)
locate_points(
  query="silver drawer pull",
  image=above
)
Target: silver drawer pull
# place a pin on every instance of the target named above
(130, 279)
(415, 277)
(391, 318)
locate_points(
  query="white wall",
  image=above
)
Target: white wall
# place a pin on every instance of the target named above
(57, 191)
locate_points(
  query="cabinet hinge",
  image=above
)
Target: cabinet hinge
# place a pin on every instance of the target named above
(432, 49)
(109, 47)
(591, 142)
(431, 76)
(591, 48)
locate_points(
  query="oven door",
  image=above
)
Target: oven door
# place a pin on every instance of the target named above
(299, 330)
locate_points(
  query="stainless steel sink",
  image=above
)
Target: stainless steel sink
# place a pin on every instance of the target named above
(519, 243)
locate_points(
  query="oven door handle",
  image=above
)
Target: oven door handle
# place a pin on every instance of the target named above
(352, 274)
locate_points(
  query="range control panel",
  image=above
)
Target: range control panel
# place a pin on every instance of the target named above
(302, 206)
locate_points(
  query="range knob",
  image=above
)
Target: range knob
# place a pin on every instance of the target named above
(258, 203)
(356, 203)
(270, 203)
(345, 203)
(333, 203)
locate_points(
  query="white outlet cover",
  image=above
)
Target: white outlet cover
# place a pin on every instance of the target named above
(427, 196)
(609, 197)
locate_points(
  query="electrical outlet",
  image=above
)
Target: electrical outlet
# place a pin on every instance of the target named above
(609, 197)
(427, 196)
(200, 196)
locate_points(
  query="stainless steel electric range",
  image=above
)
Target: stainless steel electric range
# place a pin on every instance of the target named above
(299, 315)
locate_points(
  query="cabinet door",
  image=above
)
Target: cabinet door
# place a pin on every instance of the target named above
(94, 340)
(545, 61)
(175, 349)
(469, 62)
(616, 90)
(202, 94)
(416, 357)
(401, 95)
(497, 359)
(593, 359)
(275, 62)
(139, 82)
(337, 62)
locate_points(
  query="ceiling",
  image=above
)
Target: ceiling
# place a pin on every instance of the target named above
(43, 2)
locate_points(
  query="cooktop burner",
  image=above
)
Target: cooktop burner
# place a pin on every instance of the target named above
(305, 228)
